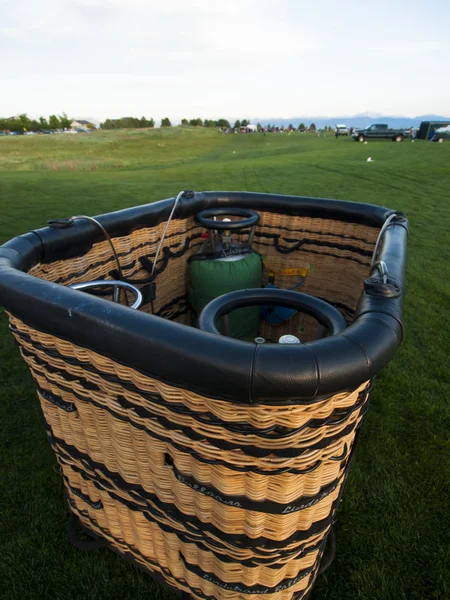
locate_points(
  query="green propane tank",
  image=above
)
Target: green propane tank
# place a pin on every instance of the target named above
(226, 264)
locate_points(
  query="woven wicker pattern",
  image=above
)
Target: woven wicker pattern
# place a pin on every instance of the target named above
(338, 252)
(225, 501)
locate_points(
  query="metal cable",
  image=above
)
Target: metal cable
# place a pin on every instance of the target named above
(105, 233)
(380, 237)
(165, 231)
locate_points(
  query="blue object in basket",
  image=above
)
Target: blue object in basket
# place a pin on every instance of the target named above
(276, 314)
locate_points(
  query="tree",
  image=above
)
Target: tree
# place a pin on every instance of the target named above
(184, 121)
(291, 127)
(301, 127)
(312, 127)
(23, 122)
(34, 125)
(258, 126)
(244, 123)
(43, 123)
(125, 123)
(143, 122)
(196, 122)
(64, 121)
(237, 124)
(166, 122)
(129, 122)
(223, 123)
(53, 122)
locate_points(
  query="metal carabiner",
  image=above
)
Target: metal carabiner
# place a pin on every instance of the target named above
(381, 267)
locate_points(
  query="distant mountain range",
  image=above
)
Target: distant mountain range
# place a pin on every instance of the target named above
(361, 120)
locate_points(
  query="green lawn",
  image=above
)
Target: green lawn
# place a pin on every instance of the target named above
(393, 525)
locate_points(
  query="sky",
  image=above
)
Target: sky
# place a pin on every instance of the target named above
(232, 58)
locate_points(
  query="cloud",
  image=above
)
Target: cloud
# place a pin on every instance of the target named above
(213, 58)
(402, 48)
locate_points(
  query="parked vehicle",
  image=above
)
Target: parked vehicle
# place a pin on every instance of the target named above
(441, 134)
(379, 131)
(428, 129)
(341, 130)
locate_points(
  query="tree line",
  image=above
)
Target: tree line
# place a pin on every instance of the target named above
(134, 123)
(206, 123)
(223, 123)
(127, 123)
(24, 123)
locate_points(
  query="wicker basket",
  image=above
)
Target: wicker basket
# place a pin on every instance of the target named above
(215, 464)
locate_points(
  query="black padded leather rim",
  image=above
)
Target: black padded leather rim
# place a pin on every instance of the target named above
(205, 218)
(211, 365)
(326, 314)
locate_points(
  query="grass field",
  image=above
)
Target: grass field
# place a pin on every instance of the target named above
(393, 527)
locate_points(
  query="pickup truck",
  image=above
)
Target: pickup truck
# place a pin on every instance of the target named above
(379, 132)
(341, 130)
